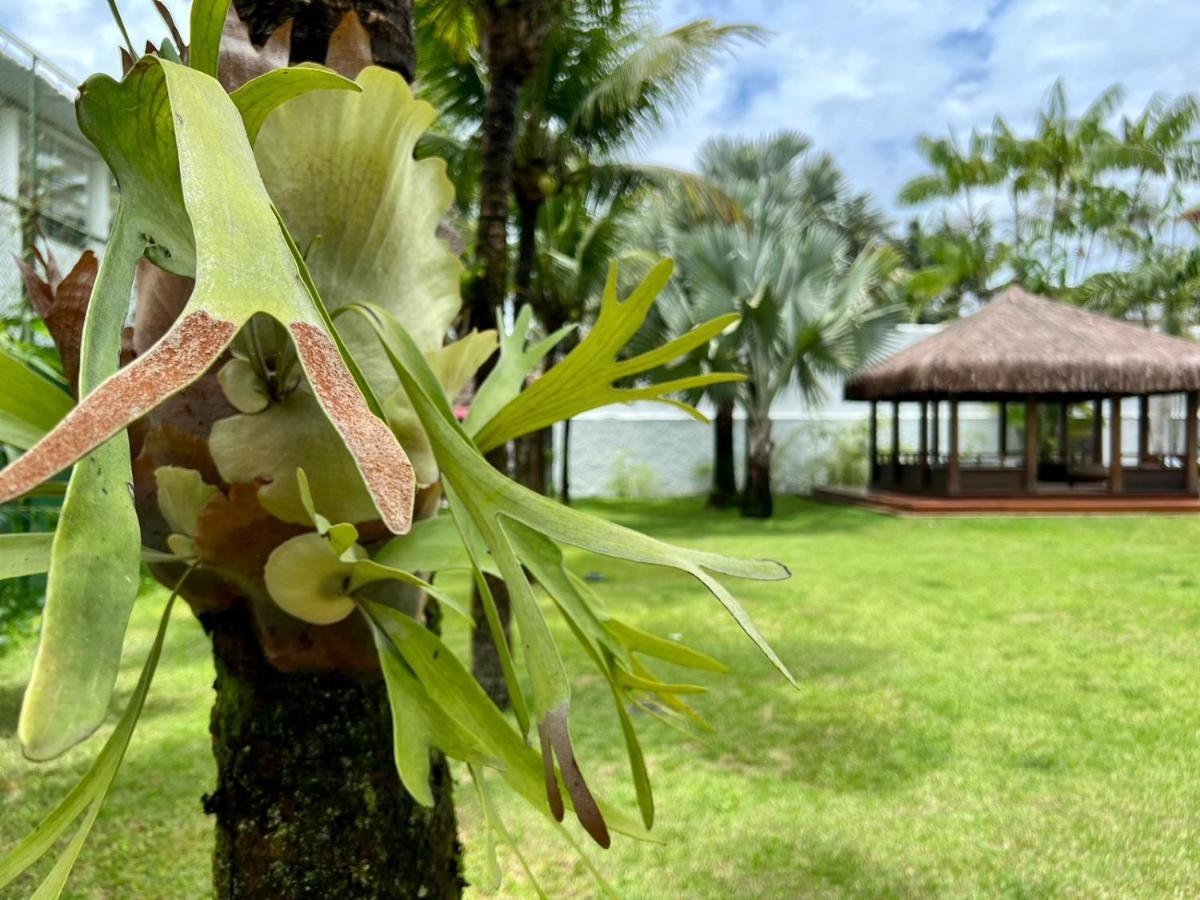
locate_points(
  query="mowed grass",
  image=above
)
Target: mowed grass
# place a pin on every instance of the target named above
(987, 707)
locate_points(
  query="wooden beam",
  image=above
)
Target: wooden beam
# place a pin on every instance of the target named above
(896, 443)
(937, 430)
(873, 443)
(952, 480)
(1190, 449)
(1116, 481)
(923, 445)
(1097, 431)
(1031, 446)
(1143, 430)
(1002, 441)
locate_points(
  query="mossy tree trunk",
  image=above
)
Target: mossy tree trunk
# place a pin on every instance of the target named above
(307, 802)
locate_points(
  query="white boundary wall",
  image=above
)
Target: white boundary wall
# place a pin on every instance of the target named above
(648, 449)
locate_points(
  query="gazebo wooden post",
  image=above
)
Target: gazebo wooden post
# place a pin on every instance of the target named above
(1064, 410)
(873, 444)
(936, 428)
(1116, 481)
(923, 445)
(952, 481)
(1002, 435)
(1097, 431)
(1143, 430)
(895, 443)
(1191, 482)
(1031, 445)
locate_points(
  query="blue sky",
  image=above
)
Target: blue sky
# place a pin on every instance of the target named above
(863, 78)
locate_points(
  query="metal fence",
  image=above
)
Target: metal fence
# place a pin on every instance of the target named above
(54, 189)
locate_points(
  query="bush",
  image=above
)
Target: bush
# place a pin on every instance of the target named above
(816, 454)
(631, 479)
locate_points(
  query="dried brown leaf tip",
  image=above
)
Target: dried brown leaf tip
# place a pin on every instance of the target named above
(349, 47)
(241, 60)
(62, 303)
(169, 21)
(556, 737)
(181, 357)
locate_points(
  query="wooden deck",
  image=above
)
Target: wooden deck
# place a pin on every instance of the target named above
(1051, 502)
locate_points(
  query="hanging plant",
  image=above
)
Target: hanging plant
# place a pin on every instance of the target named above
(294, 448)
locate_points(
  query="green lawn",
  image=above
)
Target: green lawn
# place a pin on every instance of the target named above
(988, 707)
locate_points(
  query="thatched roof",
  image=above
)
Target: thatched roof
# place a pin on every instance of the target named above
(1020, 344)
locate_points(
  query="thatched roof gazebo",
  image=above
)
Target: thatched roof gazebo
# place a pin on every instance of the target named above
(1027, 350)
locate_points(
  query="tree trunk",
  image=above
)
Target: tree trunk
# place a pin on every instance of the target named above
(532, 460)
(307, 802)
(512, 32)
(389, 22)
(756, 500)
(485, 659)
(564, 466)
(724, 483)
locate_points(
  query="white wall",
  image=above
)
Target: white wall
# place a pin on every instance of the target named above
(652, 449)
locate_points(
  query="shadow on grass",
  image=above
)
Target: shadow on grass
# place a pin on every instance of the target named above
(846, 869)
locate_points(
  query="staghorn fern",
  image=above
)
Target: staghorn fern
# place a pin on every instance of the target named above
(310, 451)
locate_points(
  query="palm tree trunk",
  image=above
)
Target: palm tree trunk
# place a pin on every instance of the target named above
(757, 502)
(388, 21)
(511, 36)
(532, 458)
(724, 484)
(564, 466)
(308, 802)
(485, 658)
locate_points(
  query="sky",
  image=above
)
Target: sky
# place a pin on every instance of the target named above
(862, 78)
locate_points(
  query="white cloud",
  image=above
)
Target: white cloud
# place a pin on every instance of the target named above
(865, 78)
(862, 77)
(80, 36)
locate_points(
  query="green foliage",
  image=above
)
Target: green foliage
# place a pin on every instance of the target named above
(93, 575)
(317, 449)
(519, 528)
(585, 379)
(31, 404)
(1098, 211)
(948, 664)
(85, 800)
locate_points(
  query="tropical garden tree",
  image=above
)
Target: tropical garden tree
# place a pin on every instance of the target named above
(283, 416)
(584, 78)
(1097, 209)
(808, 305)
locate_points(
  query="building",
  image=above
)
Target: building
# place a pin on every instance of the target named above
(1068, 375)
(53, 184)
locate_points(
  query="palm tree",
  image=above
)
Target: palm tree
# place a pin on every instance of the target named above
(948, 267)
(809, 305)
(601, 79)
(1165, 284)
(955, 172)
